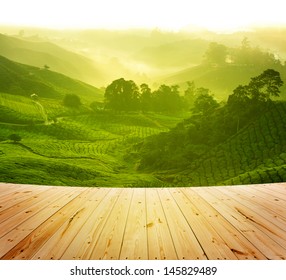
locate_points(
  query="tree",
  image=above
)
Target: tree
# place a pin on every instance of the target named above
(167, 99)
(190, 93)
(216, 53)
(15, 138)
(122, 95)
(205, 102)
(46, 67)
(145, 97)
(72, 100)
(260, 89)
(265, 86)
(247, 101)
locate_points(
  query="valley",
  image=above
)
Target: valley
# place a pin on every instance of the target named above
(60, 126)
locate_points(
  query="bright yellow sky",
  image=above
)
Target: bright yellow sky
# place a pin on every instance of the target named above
(218, 15)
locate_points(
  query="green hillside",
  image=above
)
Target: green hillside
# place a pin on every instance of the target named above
(58, 59)
(223, 79)
(60, 145)
(218, 155)
(255, 155)
(90, 149)
(20, 79)
(57, 130)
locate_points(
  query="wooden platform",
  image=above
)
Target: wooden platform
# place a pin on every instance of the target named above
(238, 222)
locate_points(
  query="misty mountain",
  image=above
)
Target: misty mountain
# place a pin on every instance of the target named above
(181, 53)
(20, 79)
(40, 53)
(223, 79)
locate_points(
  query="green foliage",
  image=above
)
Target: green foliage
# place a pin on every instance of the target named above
(265, 86)
(167, 99)
(191, 157)
(255, 96)
(15, 138)
(216, 54)
(241, 63)
(241, 144)
(260, 89)
(204, 102)
(80, 150)
(71, 100)
(124, 95)
(247, 55)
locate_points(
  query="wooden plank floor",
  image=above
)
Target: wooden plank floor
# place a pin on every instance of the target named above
(236, 222)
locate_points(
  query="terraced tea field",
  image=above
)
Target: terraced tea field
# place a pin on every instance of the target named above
(257, 154)
(82, 149)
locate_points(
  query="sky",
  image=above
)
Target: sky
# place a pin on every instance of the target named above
(215, 15)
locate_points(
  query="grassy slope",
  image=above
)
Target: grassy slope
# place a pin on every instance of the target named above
(20, 79)
(44, 53)
(82, 148)
(78, 147)
(95, 149)
(221, 80)
(255, 155)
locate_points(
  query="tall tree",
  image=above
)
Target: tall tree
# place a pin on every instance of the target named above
(145, 97)
(216, 54)
(205, 103)
(122, 95)
(190, 93)
(265, 86)
(167, 99)
(249, 100)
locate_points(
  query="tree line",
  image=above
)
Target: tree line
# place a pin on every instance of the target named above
(211, 123)
(126, 95)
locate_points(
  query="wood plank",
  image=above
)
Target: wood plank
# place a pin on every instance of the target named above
(273, 231)
(214, 246)
(109, 243)
(134, 243)
(251, 230)
(15, 215)
(186, 243)
(271, 200)
(275, 192)
(84, 242)
(27, 247)
(23, 228)
(16, 199)
(239, 244)
(275, 187)
(7, 189)
(58, 243)
(160, 243)
(270, 194)
(243, 222)
(257, 204)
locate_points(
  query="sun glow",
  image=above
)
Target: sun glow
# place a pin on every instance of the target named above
(219, 15)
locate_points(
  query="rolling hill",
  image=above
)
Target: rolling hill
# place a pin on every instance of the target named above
(45, 53)
(66, 146)
(254, 154)
(20, 79)
(223, 79)
(181, 53)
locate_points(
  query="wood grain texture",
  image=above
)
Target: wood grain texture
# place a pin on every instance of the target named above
(235, 222)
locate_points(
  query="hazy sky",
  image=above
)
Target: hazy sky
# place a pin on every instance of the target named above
(165, 14)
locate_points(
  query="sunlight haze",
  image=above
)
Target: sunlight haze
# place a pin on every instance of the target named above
(220, 15)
